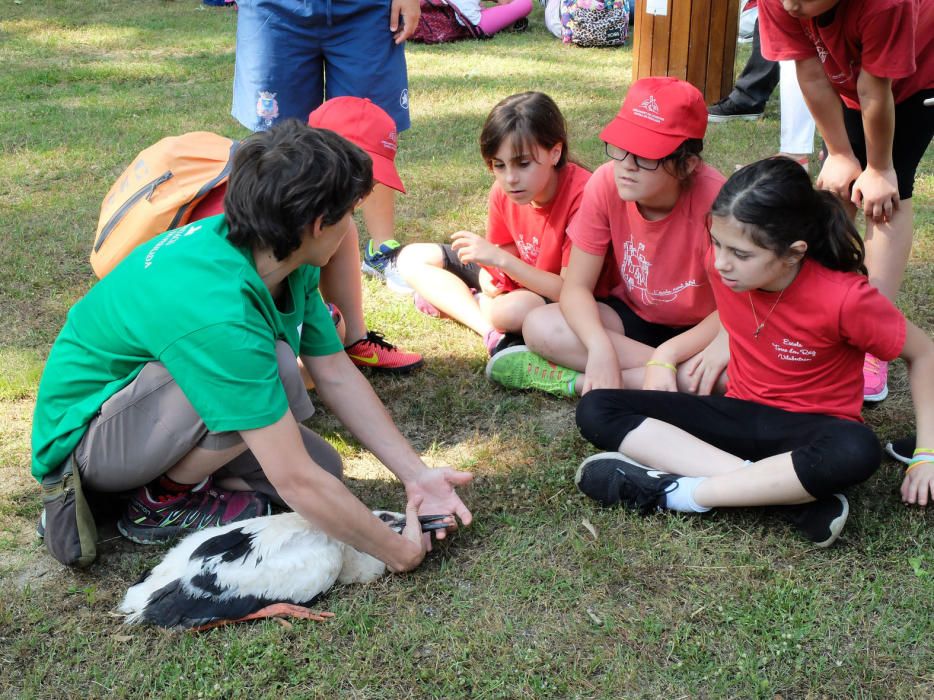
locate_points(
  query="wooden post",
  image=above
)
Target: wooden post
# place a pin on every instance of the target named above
(695, 41)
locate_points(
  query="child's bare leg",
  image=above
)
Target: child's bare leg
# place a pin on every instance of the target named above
(888, 247)
(422, 265)
(340, 285)
(770, 481)
(508, 311)
(547, 333)
(379, 214)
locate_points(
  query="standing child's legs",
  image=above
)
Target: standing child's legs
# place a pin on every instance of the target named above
(379, 258)
(498, 17)
(340, 284)
(888, 244)
(797, 124)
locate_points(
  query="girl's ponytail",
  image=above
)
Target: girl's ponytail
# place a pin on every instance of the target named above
(841, 248)
(777, 201)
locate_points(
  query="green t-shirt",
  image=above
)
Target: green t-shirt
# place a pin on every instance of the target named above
(193, 301)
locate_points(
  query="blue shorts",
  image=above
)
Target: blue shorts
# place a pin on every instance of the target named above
(294, 54)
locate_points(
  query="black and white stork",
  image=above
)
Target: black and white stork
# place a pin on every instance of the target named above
(263, 567)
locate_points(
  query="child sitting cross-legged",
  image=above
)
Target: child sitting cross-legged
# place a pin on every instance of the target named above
(788, 275)
(635, 277)
(490, 284)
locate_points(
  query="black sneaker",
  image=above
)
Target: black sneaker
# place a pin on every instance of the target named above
(509, 340)
(820, 521)
(903, 449)
(520, 25)
(610, 478)
(726, 110)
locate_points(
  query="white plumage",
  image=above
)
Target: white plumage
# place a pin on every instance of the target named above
(228, 572)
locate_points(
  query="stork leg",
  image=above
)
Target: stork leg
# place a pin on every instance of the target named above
(276, 610)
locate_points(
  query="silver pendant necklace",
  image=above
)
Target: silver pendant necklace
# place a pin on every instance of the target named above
(760, 326)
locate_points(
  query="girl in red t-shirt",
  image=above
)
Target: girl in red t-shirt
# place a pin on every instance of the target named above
(490, 284)
(788, 274)
(635, 276)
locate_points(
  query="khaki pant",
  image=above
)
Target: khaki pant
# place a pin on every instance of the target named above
(149, 425)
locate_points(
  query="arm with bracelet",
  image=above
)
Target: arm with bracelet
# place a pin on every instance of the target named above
(918, 351)
(664, 371)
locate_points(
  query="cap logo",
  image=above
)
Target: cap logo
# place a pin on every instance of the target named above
(390, 142)
(649, 110)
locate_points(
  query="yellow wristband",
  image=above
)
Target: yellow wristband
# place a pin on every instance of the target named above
(918, 464)
(923, 451)
(656, 363)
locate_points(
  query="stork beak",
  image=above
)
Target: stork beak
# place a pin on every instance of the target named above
(428, 522)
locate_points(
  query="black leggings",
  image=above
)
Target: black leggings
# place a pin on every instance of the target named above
(829, 454)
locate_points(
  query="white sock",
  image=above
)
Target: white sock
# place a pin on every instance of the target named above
(682, 498)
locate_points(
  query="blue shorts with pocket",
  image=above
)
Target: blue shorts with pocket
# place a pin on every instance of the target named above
(294, 54)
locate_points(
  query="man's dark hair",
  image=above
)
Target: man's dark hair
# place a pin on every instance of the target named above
(286, 178)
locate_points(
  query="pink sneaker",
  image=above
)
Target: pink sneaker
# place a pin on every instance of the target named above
(875, 379)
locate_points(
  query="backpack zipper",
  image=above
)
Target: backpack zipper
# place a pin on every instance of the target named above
(146, 191)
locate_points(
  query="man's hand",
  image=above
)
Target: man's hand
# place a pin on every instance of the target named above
(403, 18)
(876, 193)
(413, 533)
(435, 489)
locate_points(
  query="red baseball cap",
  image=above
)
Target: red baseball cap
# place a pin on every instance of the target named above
(365, 124)
(657, 116)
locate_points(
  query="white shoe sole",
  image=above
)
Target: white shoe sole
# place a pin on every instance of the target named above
(876, 398)
(719, 119)
(837, 524)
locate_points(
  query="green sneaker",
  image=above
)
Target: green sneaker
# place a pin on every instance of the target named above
(518, 367)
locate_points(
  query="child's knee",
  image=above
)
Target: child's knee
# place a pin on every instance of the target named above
(416, 255)
(542, 325)
(509, 311)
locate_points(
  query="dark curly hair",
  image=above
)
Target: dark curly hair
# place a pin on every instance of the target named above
(288, 177)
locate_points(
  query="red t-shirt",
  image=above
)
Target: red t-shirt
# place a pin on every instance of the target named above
(888, 38)
(808, 357)
(659, 267)
(539, 233)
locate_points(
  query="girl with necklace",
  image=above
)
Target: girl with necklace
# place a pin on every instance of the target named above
(787, 271)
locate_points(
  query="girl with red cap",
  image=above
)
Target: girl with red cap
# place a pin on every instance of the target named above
(635, 280)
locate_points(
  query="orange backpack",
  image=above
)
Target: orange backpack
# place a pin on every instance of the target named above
(158, 192)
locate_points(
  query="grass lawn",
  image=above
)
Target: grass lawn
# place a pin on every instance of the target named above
(546, 595)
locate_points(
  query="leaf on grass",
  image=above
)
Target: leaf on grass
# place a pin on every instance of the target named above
(123, 637)
(916, 566)
(590, 528)
(593, 617)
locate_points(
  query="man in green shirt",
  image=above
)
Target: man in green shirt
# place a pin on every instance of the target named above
(175, 377)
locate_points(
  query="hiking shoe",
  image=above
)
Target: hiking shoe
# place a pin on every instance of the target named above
(374, 352)
(149, 520)
(381, 262)
(820, 521)
(520, 368)
(903, 449)
(610, 478)
(726, 110)
(875, 379)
